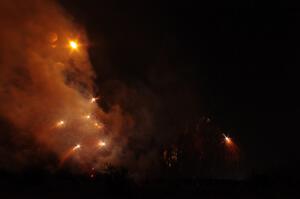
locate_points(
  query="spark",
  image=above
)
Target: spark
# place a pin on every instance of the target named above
(87, 116)
(76, 147)
(73, 44)
(231, 148)
(69, 153)
(94, 99)
(98, 125)
(102, 144)
(227, 139)
(60, 123)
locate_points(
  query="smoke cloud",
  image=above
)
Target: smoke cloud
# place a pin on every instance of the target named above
(48, 106)
(50, 114)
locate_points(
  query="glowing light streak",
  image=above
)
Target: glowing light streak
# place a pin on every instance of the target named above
(227, 139)
(69, 153)
(76, 147)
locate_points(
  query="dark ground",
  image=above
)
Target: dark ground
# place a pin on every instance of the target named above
(117, 185)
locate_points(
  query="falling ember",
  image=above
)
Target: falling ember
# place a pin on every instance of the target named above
(68, 154)
(94, 99)
(87, 116)
(73, 44)
(98, 125)
(76, 147)
(227, 139)
(102, 144)
(231, 148)
(60, 123)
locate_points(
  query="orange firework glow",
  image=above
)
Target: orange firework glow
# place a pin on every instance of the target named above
(94, 99)
(231, 147)
(73, 44)
(69, 153)
(228, 140)
(60, 123)
(76, 147)
(98, 125)
(102, 144)
(87, 116)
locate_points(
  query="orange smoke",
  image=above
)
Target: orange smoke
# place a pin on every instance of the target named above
(45, 90)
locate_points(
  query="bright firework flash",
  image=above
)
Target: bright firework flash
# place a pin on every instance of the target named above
(60, 123)
(87, 117)
(73, 44)
(94, 99)
(101, 144)
(231, 147)
(228, 140)
(76, 147)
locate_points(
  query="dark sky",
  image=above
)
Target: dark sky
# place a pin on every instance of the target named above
(235, 62)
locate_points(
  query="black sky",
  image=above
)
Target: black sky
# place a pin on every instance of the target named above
(235, 62)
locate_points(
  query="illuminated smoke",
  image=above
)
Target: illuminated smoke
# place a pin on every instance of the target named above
(46, 84)
(49, 106)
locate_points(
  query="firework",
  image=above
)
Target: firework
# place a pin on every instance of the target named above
(94, 99)
(87, 116)
(73, 44)
(98, 125)
(76, 147)
(101, 143)
(60, 123)
(227, 140)
(231, 148)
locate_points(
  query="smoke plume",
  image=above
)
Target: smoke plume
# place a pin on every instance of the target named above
(50, 114)
(48, 107)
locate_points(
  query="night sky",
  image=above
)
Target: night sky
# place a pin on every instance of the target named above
(233, 62)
